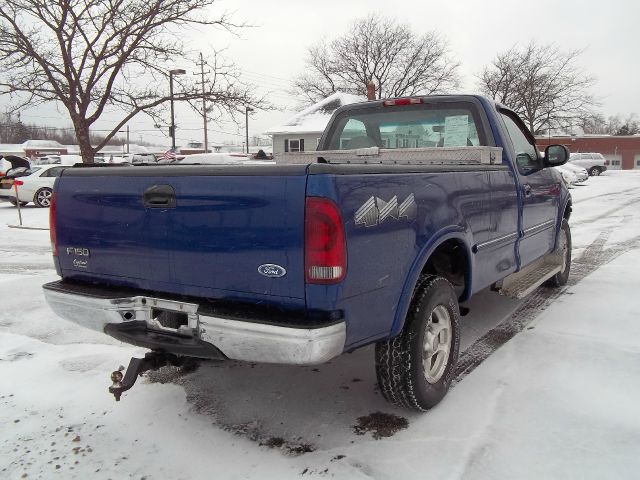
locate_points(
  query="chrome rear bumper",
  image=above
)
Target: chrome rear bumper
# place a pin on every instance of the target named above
(236, 339)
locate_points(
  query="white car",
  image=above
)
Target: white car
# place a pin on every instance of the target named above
(569, 177)
(580, 172)
(37, 187)
(594, 163)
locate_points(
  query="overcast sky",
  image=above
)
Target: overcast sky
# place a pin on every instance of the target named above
(272, 53)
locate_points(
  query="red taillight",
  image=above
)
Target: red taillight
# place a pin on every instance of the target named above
(325, 250)
(52, 224)
(18, 182)
(402, 101)
(606, 162)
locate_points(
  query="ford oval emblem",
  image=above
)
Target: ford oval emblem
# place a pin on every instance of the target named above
(271, 270)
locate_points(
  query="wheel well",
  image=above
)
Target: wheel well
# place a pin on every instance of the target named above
(450, 261)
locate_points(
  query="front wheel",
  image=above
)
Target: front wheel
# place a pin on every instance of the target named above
(42, 198)
(415, 368)
(594, 171)
(563, 250)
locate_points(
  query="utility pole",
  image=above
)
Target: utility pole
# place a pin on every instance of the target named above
(172, 128)
(127, 138)
(201, 64)
(246, 124)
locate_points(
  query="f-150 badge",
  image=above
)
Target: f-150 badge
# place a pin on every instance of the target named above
(375, 210)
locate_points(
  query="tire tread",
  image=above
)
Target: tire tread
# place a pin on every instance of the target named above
(394, 359)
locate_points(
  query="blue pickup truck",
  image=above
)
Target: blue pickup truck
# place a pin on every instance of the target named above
(408, 208)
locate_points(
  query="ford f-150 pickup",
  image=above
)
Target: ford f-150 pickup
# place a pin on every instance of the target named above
(408, 208)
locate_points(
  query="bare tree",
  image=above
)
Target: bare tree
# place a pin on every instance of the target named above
(91, 55)
(544, 85)
(630, 126)
(399, 62)
(596, 123)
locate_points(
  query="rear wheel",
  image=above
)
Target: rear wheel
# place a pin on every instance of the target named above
(594, 171)
(415, 368)
(42, 198)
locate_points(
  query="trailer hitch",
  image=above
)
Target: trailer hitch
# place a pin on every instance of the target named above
(137, 366)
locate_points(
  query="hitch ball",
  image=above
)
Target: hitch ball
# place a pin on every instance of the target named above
(116, 377)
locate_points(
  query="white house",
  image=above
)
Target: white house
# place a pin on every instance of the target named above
(302, 132)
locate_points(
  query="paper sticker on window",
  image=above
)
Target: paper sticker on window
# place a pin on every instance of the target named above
(456, 131)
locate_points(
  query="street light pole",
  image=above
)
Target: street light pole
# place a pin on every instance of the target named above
(172, 128)
(246, 125)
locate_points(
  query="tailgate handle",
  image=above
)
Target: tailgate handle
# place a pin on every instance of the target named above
(160, 196)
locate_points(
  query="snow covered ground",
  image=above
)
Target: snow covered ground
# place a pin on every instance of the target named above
(558, 400)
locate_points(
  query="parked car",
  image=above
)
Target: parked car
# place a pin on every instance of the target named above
(9, 162)
(17, 167)
(580, 172)
(70, 159)
(330, 251)
(7, 191)
(569, 177)
(47, 160)
(37, 187)
(594, 163)
(222, 159)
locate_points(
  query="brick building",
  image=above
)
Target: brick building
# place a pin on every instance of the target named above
(34, 148)
(623, 152)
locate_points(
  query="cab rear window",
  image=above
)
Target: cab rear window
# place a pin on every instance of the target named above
(408, 126)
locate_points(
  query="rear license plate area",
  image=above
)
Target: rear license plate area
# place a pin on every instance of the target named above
(168, 315)
(169, 318)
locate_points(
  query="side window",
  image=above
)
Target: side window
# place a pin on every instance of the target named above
(526, 153)
(354, 135)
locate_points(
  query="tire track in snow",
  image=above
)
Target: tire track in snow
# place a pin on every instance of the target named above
(609, 213)
(25, 268)
(592, 258)
(611, 194)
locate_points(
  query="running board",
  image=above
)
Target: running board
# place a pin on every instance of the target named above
(520, 284)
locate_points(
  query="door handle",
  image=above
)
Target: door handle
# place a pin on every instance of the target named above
(159, 196)
(527, 190)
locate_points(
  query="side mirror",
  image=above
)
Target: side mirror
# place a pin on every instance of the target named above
(555, 155)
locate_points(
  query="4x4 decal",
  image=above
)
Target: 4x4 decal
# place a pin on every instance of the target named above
(375, 210)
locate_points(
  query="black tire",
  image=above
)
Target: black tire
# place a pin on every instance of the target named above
(15, 203)
(560, 278)
(42, 198)
(400, 362)
(595, 171)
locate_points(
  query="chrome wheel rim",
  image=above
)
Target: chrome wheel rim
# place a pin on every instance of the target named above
(437, 344)
(44, 198)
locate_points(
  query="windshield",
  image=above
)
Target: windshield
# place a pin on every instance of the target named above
(415, 126)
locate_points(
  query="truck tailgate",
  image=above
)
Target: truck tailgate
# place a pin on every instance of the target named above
(223, 224)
